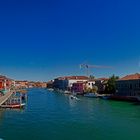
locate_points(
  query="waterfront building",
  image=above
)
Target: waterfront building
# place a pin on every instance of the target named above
(79, 84)
(6, 83)
(128, 85)
(40, 84)
(31, 84)
(78, 87)
(90, 84)
(21, 84)
(66, 83)
(50, 84)
(81, 87)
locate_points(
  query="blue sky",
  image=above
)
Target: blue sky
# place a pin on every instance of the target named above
(40, 40)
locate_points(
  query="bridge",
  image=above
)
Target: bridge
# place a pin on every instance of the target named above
(4, 98)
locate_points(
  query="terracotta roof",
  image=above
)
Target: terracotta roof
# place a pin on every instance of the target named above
(92, 80)
(103, 79)
(73, 78)
(21, 81)
(4, 77)
(131, 77)
(1, 76)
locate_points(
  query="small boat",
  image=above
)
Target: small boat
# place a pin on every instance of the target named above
(50, 89)
(73, 97)
(91, 95)
(104, 96)
(13, 106)
(67, 92)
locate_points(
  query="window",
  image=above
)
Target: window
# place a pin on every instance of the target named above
(130, 86)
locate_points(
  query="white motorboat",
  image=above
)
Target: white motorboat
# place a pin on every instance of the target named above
(73, 97)
(67, 92)
(104, 96)
(50, 89)
(91, 95)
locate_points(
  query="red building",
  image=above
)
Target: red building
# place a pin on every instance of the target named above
(78, 87)
(5, 83)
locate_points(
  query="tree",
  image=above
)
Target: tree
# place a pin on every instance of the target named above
(111, 85)
(91, 90)
(94, 89)
(92, 77)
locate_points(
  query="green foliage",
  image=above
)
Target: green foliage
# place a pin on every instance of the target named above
(111, 85)
(94, 89)
(92, 77)
(91, 90)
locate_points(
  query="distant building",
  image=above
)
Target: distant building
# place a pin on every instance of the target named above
(31, 84)
(44, 85)
(50, 84)
(40, 84)
(21, 84)
(128, 85)
(66, 83)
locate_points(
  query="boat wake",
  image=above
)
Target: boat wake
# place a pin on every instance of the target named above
(72, 97)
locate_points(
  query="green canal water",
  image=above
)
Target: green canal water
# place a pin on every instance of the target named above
(53, 116)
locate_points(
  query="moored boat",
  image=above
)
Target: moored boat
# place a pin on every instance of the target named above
(91, 95)
(13, 106)
(104, 96)
(67, 92)
(50, 89)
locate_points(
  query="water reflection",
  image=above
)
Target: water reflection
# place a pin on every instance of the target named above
(73, 102)
(1, 115)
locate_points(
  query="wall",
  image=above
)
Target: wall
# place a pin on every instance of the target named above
(128, 87)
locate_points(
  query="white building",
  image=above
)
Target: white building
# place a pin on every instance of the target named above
(90, 84)
(65, 83)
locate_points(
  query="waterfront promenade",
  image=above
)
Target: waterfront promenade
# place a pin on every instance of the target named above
(4, 98)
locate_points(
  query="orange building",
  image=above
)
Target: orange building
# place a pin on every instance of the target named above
(21, 84)
(41, 84)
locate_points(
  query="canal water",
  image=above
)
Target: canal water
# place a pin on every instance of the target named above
(53, 116)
